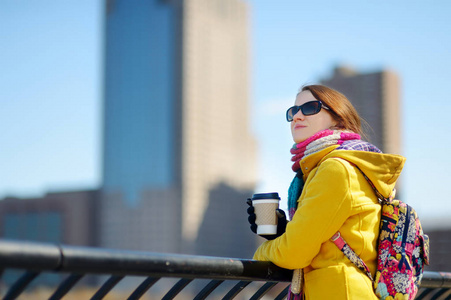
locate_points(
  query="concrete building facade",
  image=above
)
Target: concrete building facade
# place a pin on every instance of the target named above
(376, 96)
(60, 217)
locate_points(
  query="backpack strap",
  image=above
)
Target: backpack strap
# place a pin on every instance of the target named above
(379, 196)
(338, 240)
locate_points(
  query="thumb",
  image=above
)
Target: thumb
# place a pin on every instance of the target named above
(280, 214)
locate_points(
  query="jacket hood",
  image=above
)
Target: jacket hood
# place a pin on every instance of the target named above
(382, 169)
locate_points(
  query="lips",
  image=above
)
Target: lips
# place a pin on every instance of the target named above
(298, 126)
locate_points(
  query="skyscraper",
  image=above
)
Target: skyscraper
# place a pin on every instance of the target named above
(376, 97)
(176, 123)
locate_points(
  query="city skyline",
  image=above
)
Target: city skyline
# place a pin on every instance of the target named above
(52, 118)
(163, 157)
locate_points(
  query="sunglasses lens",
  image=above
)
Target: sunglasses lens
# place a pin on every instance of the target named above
(291, 112)
(311, 108)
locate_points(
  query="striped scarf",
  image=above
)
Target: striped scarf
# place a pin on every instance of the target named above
(314, 144)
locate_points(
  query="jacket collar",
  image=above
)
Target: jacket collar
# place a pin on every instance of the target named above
(309, 162)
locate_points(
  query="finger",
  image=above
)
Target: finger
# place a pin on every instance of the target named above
(269, 237)
(249, 202)
(254, 228)
(252, 218)
(250, 210)
(280, 214)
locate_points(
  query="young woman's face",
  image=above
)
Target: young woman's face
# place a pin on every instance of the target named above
(303, 127)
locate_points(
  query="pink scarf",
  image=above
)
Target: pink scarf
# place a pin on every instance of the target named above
(318, 142)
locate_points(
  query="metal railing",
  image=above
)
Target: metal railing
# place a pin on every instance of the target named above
(247, 279)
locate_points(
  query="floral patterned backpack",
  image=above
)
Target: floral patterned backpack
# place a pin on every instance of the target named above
(403, 249)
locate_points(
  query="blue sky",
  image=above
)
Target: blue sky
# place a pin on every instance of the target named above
(50, 87)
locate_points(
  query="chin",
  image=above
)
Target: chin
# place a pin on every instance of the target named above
(299, 140)
(300, 135)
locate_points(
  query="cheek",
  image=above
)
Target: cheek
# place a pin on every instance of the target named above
(327, 122)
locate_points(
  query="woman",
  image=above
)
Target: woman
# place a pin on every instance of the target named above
(328, 194)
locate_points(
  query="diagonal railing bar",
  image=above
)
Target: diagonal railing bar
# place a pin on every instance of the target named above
(448, 294)
(208, 289)
(107, 287)
(66, 286)
(439, 294)
(282, 294)
(143, 288)
(263, 290)
(36, 258)
(236, 290)
(20, 285)
(424, 292)
(176, 289)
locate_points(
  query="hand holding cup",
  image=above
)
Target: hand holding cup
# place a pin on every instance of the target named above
(265, 217)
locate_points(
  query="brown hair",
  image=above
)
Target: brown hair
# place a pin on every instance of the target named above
(343, 112)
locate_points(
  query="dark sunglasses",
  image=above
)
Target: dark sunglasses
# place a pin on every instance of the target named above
(307, 109)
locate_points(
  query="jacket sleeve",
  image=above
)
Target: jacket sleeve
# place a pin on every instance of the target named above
(323, 207)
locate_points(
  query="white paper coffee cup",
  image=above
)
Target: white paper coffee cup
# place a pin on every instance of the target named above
(265, 206)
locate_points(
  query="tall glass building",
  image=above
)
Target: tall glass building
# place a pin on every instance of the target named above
(176, 121)
(140, 98)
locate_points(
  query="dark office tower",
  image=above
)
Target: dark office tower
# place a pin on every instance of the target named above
(377, 100)
(176, 121)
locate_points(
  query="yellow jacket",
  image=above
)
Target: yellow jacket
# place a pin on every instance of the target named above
(336, 197)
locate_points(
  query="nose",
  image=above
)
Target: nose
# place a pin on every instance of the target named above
(299, 115)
